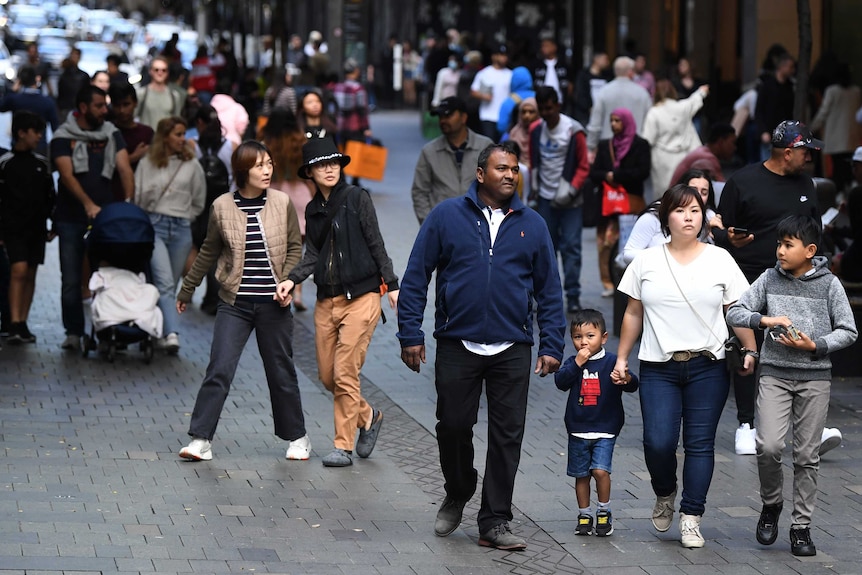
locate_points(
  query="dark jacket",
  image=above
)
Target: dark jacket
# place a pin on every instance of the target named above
(483, 294)
(595, 403)
(633, 170)
(27, 195)
(344, 249)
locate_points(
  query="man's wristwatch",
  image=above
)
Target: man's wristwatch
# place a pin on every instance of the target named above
(752, 353)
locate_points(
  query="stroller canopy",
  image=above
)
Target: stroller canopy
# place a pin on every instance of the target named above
(121, 223)
(122, 236)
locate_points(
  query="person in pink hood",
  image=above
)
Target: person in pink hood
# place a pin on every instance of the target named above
(232, 115)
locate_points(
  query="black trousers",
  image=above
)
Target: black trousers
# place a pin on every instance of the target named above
(459, 378)
(745, 389)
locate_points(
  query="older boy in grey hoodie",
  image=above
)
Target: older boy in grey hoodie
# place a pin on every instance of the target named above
(808, 316)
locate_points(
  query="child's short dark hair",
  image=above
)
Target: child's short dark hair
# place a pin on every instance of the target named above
(587, 317)
(804, 228)
(24, 120)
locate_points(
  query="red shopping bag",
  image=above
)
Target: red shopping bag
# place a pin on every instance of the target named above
(615, 200)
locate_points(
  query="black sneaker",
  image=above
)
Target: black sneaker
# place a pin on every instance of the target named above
(449, 516)
(24, 332)
(604, 523)
(16, 335)
(574, 305)
(767, 526)
(585, 524)
(800, 542)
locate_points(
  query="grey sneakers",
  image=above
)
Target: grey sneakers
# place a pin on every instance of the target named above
(338, 458)
(662, 513)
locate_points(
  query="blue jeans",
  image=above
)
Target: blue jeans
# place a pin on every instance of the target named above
(273, 325)
(172, 246)
(72, 249)
(588, 454)
(693, 394)
(566, 226)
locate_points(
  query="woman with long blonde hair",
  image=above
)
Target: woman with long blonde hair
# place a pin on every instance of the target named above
(170, 186)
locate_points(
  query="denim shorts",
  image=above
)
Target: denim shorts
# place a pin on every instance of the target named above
(588, 454)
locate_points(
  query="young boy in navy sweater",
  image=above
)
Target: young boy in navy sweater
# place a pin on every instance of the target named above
(594, 417)
(808, 316)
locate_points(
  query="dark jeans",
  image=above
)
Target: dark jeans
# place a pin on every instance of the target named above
(459, 378)
(274, 331)
(566, 225)
(691, 394)
(490, 129)
(72, 250)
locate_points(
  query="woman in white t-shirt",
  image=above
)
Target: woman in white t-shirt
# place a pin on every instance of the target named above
(678, 293)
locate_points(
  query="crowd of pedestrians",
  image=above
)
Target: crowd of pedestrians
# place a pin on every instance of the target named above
(246, 188)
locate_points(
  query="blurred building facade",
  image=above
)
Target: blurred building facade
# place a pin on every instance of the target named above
(725, 40)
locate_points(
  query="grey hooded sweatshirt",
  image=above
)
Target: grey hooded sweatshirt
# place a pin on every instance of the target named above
(816, 304)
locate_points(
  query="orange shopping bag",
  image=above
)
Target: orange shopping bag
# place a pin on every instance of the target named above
(366, 160)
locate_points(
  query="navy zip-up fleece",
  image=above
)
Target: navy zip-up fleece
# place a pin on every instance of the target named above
(483, 295)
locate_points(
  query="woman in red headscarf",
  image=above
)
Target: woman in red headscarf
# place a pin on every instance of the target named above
(624, 160)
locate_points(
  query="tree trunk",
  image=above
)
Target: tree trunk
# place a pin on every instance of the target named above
(803, 11)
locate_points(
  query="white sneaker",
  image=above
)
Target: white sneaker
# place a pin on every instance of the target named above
(72, 342)
(662, 513)
(299, 449)
(172, 344)
(830, 439)
(198, 450)
(745, 443)
(689, 531)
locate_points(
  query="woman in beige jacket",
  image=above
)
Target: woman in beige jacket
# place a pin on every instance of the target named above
(253, 235)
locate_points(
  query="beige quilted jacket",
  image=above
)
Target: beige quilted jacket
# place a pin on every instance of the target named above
(225, 242)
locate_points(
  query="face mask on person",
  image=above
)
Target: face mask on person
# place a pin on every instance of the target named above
(453, 65)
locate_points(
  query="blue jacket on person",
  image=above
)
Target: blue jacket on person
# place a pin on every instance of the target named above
(521, 88)
(483, 294)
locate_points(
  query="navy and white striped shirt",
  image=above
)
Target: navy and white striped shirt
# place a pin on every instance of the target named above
(258, 281)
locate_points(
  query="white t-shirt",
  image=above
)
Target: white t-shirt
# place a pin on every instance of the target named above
(710, 281)
(499, 83)
(553, 147)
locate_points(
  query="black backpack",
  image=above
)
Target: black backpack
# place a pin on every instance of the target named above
(217, 176)
(218, 182)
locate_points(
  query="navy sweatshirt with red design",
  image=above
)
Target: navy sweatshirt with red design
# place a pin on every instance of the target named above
(595, 403)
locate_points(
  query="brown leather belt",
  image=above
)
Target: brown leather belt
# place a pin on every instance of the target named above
(687, 355)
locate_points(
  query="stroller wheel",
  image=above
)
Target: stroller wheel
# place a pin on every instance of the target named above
(86, 345)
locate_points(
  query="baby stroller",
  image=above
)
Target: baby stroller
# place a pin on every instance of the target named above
(124, 309)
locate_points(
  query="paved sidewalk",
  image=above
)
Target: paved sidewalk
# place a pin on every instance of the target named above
(90, 481)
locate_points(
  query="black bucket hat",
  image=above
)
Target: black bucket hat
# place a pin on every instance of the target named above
(320, 150)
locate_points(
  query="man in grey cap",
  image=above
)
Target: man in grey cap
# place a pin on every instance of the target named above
(447, 164)
(754, 200)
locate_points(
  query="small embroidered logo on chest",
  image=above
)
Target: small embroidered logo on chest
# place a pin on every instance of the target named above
(803, 198)
(522, 233)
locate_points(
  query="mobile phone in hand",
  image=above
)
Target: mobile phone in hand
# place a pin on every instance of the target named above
(740, 231)
(776, 332)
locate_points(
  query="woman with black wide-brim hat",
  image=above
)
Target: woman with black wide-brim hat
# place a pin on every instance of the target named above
(346, 255)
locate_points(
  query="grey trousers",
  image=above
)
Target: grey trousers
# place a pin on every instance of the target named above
(781, 402)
